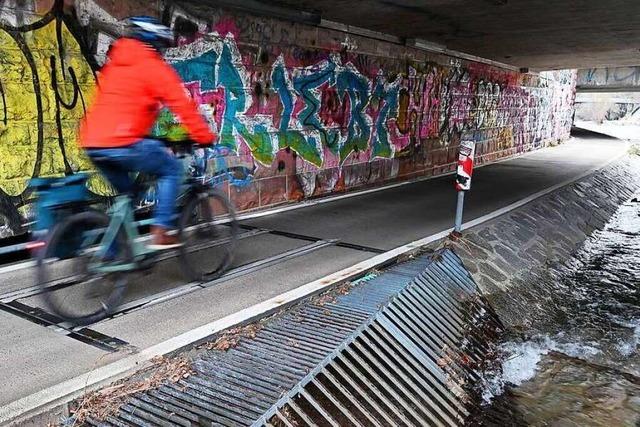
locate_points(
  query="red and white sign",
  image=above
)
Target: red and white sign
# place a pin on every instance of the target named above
(465, 165)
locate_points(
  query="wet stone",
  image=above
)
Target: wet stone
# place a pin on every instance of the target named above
(603, 216)
(486, 234)
(568, 252)
(537, 255)
(471, 266)
(556, 217)
(539, 244)
(462, 252)
(557, 204)
(492, 272)
(474, 238)
(579, 193)
(504, 266)
(516, 216)
(523, 234)
(574, 305)
(503, 234)
(580, 227)
(564, 240)
(568, 392)
(476, 251)
(488, 286)
(539, 211)
(510, 256)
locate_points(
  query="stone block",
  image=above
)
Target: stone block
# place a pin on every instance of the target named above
(355, 175)
(463, 252)
(20, 98)
(507, 269)
(472, 267)
(509, 256)
(330, 39)
(123, 9)
(486, 234)
(306, 35)
(384, 48)
(477, 252)
(492, 272)
(16, 163)
(43, 6)
(327, 181)
(535, 254)
(523, 234)
(280, 32)
(294, 189)
(272, 190)
(244, 198)
(376, 172)
(361, 45)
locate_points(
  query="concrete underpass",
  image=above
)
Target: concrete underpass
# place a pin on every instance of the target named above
(347, 120)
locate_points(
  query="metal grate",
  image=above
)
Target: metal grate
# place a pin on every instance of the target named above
(342, 361)
(413, 364)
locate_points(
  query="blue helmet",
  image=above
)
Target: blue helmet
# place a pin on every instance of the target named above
(149, 30)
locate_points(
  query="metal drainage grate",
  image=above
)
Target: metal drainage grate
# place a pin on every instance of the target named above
(410, 363)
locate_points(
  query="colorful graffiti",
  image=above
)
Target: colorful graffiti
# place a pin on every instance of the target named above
(45, 83)
(331, 113)
(330, 108)
(301, 121)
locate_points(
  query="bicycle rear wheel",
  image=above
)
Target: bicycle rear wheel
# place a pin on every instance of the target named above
(208, 248)
(72, 289)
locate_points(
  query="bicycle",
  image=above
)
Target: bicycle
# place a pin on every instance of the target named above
(101, 250)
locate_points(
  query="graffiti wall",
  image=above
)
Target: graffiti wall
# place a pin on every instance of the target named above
(303, 111)
(613, 78)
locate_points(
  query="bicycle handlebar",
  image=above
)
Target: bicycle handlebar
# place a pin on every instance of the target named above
(183, 146)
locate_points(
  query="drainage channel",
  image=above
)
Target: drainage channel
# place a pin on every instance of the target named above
(10, 302)
(298, 236)
(68, 281)
(48, 320)
(232, 274)
(402, 347)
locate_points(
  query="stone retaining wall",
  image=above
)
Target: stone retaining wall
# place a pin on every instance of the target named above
(508, 255)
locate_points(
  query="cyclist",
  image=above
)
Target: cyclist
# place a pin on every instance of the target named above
(132, 87)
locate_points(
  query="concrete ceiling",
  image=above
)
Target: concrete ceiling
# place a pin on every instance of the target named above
(538, 34)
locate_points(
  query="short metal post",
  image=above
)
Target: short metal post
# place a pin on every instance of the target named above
(458, 226)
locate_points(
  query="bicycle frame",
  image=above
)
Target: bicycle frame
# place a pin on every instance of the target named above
(195, 168)
(109, 247)
(121, 217)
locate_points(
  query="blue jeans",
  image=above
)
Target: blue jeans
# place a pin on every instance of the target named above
(148, 156)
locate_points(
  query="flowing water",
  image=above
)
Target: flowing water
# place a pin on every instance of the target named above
(579, 364)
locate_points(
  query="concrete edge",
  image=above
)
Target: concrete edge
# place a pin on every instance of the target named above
(56, 396)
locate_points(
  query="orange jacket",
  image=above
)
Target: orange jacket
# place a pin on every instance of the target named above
(132, 87)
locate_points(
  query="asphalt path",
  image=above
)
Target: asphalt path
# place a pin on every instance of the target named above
(293, 248)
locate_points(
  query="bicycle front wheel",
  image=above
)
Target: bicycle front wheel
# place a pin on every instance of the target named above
(208, 248)
(80, 279)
